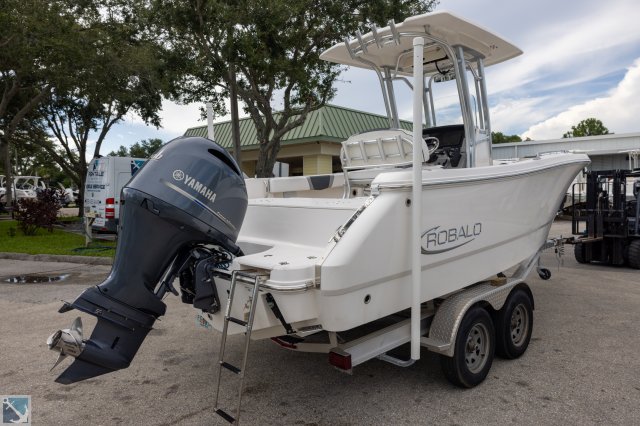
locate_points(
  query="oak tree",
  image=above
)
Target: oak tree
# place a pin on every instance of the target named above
(121, 71)
(38, 51)
(499, 137)
(587, 127)
(143, 149)
(274, 48)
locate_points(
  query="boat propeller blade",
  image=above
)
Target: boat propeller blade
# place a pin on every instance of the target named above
(67, 341)
(58, 361)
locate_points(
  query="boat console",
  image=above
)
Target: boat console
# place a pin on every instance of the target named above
(449, 153)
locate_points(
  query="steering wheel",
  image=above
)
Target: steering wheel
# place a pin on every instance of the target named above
(432, 144)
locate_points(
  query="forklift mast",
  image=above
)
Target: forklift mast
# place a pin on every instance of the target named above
(607, 224)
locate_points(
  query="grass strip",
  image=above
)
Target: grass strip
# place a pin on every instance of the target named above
(45, 242)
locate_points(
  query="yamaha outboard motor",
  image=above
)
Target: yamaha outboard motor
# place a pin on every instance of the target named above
(186, 204)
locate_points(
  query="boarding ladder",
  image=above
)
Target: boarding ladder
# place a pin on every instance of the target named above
(250, 278)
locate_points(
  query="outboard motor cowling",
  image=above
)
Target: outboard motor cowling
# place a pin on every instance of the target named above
(190, 193)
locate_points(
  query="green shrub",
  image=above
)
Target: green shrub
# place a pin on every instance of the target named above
(39, 212)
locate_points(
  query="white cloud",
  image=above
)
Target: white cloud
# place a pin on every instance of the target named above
(567, 49)
(175, 118)
(619, 110)
(510, 113)
(562, 44)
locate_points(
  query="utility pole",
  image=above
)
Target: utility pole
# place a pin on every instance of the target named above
(210, 133)
(233, 98)
(235, 120)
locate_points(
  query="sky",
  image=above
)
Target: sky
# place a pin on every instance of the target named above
(581, 59)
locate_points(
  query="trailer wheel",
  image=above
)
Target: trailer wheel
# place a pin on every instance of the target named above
(514, 324)
(474, 350)
(634, 254)
(580, 252)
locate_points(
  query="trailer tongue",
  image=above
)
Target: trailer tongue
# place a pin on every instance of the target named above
(190, 194)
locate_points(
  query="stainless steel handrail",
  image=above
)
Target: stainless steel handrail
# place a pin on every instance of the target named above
(244, 276)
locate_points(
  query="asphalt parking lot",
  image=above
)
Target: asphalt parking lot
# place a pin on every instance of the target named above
(582, 366)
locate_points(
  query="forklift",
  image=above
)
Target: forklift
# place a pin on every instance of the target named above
(608, 224)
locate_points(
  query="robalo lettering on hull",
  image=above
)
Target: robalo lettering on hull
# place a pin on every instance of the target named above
(438, 240)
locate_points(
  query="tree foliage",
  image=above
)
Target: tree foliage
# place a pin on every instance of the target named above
(274, 45)
(143, 149)
(28, 156)
(38, 51)
(587, 127)
(499, 137)
(84, 66)
(121, 70)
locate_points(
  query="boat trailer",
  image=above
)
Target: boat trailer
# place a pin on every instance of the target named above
(466, 327)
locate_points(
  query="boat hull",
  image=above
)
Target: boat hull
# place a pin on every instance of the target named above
(476, 223)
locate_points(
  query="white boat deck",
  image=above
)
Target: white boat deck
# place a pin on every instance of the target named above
(289, 236)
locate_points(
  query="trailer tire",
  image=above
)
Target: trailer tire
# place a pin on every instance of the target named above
(514, 324)
(580, 252)
(474, 350)
(634, 254)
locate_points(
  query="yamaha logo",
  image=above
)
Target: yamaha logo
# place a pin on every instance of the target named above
(194, 184)
(178, 174)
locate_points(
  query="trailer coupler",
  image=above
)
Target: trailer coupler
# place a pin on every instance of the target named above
(557, 244)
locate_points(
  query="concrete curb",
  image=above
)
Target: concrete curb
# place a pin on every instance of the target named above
(88, 260)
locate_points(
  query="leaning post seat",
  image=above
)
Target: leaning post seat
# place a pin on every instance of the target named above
(376, 149)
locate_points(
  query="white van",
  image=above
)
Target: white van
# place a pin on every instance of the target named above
(105, 179)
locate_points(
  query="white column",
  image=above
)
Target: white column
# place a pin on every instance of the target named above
(416, 201)
(210, 133)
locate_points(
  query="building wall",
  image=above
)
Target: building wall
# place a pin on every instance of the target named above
(609, 162)
(317, 164)
(309, 158)
(607, 152)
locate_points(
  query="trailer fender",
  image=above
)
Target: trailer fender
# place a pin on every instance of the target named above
(444, 328)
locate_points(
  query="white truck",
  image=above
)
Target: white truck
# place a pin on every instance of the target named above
(105, 178)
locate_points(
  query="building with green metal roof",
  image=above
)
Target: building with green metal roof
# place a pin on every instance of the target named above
(312, 148)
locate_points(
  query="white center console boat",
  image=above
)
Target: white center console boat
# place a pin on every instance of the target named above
(412, 248)
(335, 264)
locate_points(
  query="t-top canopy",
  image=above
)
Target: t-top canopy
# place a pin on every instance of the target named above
(391, 46)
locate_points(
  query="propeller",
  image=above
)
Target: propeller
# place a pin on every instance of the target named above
(67, 341)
